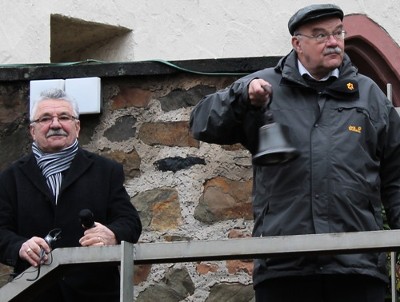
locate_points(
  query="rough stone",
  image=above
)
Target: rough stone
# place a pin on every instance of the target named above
(233, 147)
(158, 292)
(179, 279)
(123, 129)
(15, 142)
(180, 98)
(130, 161)
(131, 97)
(178, 163)
(167, 134)
(14, 102)
(224, 199)
(159, 208)
(176, 286)
(171, 238)
(231, 293)
(88, 126)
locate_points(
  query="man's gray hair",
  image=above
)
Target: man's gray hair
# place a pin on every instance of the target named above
(54, 94)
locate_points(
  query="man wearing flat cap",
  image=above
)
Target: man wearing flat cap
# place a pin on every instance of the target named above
(345, 133)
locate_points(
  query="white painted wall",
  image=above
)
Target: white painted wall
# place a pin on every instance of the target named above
(174, 29)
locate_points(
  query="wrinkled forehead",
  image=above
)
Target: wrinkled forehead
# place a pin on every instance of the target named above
(53, 107)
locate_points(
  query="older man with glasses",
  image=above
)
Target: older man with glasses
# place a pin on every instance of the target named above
(45, 192)
(345, 161)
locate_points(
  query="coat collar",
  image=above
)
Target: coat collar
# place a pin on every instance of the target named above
(79, 165)
(345, 87)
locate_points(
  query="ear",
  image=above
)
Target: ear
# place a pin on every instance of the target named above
(32, 131)
(77, 127)
(296, 44)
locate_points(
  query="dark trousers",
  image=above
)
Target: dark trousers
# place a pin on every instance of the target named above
(329, 288)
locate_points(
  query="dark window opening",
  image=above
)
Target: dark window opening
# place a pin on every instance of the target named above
(75, 40)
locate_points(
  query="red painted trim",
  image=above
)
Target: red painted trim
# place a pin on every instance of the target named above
(374, 52)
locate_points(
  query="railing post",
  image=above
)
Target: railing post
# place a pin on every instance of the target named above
(393, 257)
(126, 269)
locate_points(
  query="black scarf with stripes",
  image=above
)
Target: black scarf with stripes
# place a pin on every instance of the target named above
(53, 164)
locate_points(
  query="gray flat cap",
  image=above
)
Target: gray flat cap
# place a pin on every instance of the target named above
(313, 12)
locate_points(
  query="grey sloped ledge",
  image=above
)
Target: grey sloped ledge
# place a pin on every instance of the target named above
(93, 68)
(209, 250)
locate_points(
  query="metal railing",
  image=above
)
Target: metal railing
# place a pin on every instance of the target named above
(126, 255)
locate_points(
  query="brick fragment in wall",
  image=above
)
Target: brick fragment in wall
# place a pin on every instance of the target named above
(159, 209)
(173, 134)
(224, 199)
(178, 163)
(141, 273)
(205, 268)
(235, 266)
(130, 161)
(232, 292)
(180, 98)
(235, 233)
(131, 97)
(176, 286)
(123, 129)
(244, 265)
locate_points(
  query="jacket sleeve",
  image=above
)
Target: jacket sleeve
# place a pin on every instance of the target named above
(390, 170)
(123, 218)
(226, 117)
(10, 241)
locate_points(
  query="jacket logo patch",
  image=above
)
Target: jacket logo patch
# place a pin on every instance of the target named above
(350, 86)
(355, 128)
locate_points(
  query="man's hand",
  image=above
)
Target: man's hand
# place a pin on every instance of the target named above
(260, 92)
(98, 235)
(32, 251)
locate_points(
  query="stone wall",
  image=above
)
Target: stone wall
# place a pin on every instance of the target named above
(183, 189)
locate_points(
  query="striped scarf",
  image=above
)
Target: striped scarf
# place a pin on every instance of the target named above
(52, 164)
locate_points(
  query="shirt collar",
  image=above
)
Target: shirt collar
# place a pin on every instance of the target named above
(303, 71)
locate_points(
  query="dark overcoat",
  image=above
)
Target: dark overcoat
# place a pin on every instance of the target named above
(27, 209)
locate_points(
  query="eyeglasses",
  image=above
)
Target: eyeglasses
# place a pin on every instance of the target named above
(62, 119)
(324, 36)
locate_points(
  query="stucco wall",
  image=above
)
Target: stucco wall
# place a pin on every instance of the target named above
(173, 29)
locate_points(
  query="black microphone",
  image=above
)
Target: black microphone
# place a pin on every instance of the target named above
(87, 218)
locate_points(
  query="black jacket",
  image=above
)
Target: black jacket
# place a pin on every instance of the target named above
(349, 164)
(27, 209)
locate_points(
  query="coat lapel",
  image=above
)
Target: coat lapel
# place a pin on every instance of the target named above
(32, 171)
(79, 165)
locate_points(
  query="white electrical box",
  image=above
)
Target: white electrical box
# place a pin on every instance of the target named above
(85, 91)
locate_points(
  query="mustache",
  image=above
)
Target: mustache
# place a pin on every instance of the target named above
(57, 132)
(331, 50)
